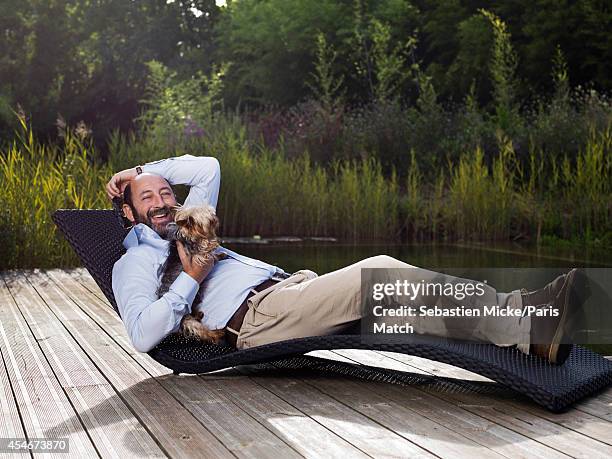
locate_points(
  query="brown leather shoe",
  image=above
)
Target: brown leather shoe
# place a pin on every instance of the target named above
(545, 295)
(551, 335)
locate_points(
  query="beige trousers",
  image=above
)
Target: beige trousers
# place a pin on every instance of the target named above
(309, 305)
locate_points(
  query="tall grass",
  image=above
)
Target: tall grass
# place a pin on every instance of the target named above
(483, 199)
(36, 180)
(263, 192)
(588, 187)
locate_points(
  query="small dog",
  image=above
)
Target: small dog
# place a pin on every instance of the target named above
(196, 228)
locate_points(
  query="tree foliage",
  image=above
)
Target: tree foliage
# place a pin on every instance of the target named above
(87, 59)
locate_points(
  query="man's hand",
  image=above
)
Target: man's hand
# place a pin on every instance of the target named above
(196, 271)
(118, 182)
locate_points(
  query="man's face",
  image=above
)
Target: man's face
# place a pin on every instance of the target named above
(153, 200)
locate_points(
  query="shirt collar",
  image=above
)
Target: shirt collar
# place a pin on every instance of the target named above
(142, 234)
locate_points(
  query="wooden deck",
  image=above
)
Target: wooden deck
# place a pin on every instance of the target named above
(67, 370)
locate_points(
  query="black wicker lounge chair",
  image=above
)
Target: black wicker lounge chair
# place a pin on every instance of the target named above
(97, 235)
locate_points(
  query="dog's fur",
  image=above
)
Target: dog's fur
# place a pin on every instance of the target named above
(196, 228)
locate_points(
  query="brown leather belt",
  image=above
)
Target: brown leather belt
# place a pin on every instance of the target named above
(235, 323)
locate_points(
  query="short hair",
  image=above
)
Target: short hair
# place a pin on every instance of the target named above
(127, 196)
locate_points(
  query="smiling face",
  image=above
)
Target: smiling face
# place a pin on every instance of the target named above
(152, 202)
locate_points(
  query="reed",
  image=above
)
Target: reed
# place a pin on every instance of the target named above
(588, 186)
(37, 180)
(263, 191)
(469, 212)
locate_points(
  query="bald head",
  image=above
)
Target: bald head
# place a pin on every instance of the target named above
(142, 182)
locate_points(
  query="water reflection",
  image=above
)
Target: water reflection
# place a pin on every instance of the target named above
(323, 258)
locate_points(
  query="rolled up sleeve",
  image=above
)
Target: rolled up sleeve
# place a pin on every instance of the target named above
(201, 173)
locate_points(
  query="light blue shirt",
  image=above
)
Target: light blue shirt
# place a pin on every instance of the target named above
(137, 274)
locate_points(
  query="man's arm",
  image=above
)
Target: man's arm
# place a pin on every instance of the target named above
(148, 319)
(201, 173)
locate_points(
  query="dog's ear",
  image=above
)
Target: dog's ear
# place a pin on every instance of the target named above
(214, 222)
(172, 228)
(184, 220)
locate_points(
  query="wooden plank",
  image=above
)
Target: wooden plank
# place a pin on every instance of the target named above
(45, 409)
(599, 405)
(577, 420)
(238, 431)
(82, 275)
(100, 311)
(354, 427)
(10, 417)
(303, 433)
(552, 434)
(165, 418)
(104, 414)
(402, 419)
(489, 438)
(522, 421)
(329, 355)
(490, 435)
(434, 368)
(376, 359)
(591, 417)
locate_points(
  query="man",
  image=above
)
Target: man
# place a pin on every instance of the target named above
(257, 303)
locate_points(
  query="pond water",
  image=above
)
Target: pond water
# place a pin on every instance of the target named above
(325, 257)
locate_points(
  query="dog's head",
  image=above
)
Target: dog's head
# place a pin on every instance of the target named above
(196, 228)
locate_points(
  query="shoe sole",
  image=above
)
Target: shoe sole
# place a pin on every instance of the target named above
(579, 293)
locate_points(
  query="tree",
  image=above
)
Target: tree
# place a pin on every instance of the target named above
(326, 86)
(503, 73)
(272, 44)
(581, 29)
(87, 60)
(471, 64)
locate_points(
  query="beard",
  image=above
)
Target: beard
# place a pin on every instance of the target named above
(159, 228)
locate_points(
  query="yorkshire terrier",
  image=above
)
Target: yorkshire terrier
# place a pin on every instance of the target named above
(196, 228)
